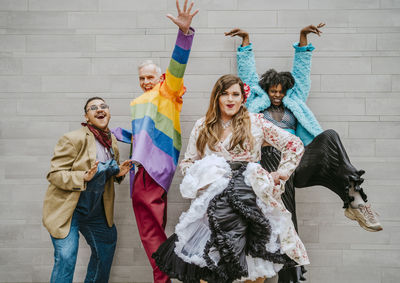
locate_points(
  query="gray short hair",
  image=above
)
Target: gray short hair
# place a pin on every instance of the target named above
(149, 62)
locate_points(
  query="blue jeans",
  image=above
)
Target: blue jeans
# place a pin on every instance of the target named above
(102, 241)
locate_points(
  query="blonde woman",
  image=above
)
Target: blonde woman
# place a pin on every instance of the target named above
(237, 227)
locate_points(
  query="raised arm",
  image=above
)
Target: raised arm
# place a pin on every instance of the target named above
(246, 64)
(176, 69)
(246, 69)
(302, 63)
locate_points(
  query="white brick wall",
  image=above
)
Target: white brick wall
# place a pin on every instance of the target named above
(54, 54)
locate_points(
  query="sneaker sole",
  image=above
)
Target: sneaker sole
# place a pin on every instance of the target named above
(351, 216)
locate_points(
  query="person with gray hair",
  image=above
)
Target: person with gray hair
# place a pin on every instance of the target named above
(148, 71)
(156, 137)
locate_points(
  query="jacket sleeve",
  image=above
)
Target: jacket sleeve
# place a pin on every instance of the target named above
(61, 174)
(173, 84)
(122, 135)
(246, 65)
(301, 72)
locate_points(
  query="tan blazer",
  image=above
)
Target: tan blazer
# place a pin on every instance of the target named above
(74, 154)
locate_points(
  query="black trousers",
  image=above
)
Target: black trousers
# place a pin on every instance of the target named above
(325, 163)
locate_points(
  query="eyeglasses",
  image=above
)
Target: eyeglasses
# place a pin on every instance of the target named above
(95, 107)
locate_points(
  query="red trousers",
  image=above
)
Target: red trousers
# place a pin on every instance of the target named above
(149, 201)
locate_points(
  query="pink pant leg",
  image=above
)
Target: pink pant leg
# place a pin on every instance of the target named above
(149, 201)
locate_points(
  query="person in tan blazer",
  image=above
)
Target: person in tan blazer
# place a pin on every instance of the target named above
(80, 196)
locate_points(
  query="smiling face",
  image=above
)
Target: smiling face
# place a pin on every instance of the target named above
(149, 77)
(100, 117)
(229, 102)
(276, 94)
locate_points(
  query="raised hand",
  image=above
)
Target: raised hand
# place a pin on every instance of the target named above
(124, 168)
(241, 33)
(314, 29)
(90, 173)
(309, 29)
(184, 18)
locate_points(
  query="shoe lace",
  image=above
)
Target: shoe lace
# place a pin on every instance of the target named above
(369, 214)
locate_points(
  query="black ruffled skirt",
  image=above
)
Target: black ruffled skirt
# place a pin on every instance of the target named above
(325, 163)
(238, 229)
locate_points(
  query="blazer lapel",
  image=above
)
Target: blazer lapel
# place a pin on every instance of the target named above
(114, 146)
(91, 146)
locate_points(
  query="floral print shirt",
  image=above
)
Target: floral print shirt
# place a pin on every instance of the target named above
(262, 130)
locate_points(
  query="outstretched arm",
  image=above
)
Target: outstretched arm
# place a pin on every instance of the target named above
(176, 69)
(241, 33)
(122, 135)
(302, 63)
(309, 29)
(246, 64)
(246, 69)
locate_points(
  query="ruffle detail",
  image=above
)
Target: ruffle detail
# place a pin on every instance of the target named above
(227, 234)
(233, 265)
(258, 267)
(193, 218)
(203, 173)
(354, 180)
(169, 263)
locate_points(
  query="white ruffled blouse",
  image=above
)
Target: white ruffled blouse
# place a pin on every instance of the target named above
(262, 130)
(259, 179)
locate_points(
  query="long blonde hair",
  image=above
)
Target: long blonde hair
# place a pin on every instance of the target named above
(211, 131)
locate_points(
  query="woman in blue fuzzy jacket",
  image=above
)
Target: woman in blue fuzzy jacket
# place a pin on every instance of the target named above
(282, 97)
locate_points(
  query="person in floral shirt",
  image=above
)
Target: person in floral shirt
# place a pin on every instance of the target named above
(237, 227)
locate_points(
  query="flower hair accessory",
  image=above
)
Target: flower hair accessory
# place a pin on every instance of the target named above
(246, 91)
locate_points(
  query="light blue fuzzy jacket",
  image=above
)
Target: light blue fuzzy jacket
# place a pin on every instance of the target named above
(295, 99)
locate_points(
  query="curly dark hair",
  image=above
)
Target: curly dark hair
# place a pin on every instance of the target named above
(273, 78)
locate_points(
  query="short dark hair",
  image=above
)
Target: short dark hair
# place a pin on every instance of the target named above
(273, 78)
(91, 99)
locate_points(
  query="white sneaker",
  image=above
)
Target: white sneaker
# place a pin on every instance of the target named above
(365, 216)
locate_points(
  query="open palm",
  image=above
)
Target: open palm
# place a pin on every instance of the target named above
(124, 168)
(184, 18)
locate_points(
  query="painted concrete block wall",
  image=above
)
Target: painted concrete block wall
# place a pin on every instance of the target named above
(54, 54)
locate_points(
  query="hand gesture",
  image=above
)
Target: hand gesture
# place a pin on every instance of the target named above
(278, 177)
(308, 29)
(124, 168)
(184, 18)
(241, 33)
(314, 29)
(90, 173)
